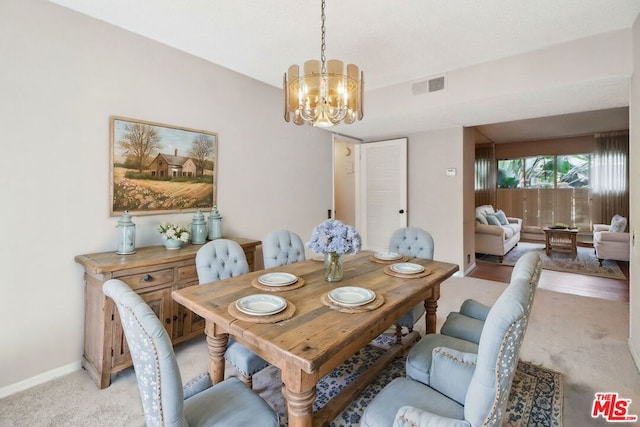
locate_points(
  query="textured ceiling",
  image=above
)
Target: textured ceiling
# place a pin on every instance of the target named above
(392, 41)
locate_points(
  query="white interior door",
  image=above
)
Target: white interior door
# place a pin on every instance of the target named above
(382, 192)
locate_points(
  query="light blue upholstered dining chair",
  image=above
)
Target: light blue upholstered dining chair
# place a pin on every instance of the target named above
(414, 243)
(220, 259)
(164, 400)
(282, 247)
(453, 382)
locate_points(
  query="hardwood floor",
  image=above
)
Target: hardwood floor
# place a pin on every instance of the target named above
(570, 283)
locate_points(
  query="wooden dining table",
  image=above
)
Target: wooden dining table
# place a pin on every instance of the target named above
(313, 335)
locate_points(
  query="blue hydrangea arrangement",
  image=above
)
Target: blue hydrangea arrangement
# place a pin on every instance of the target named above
(334, 236)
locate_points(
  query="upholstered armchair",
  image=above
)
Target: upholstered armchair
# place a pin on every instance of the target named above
(220, 259)
(282, 247)
(415, 243)
(454, 382)
(610, 241)
(164, 400)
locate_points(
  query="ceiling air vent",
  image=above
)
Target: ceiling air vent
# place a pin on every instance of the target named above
(435, 84)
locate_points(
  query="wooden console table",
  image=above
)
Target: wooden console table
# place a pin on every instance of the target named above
(153, 272)
(561, 238)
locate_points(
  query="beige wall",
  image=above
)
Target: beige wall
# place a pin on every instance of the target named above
(469, 199)
(344, 181)
(435, 199)
(634, 202)
(62, 76)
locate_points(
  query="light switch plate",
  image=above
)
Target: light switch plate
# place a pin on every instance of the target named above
(451, 172)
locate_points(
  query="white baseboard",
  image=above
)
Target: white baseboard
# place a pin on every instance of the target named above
(471, 267)
(39, 379)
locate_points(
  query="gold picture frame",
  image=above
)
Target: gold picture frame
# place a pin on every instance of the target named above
(157, 168)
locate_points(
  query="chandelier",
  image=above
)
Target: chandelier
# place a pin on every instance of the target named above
(324, 95)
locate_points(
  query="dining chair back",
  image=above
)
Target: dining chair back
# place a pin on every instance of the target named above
(453, 382)
(414, 243)
(282, 247)
(221, 259)
(164, 401)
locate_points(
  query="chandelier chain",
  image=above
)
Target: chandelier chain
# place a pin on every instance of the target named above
(323, 46)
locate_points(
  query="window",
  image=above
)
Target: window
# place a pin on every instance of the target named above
(573, 171)
(546, 190)
(539, 172)
(566, 171)
(510, 173)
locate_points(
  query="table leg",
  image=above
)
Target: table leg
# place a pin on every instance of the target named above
(217, 344)
(299, 390)
(431, 307)
(547, 243)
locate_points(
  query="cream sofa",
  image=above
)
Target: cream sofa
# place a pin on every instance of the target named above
(495, 239)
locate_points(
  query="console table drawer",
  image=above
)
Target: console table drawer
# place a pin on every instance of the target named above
(152, 278)
(187, 273)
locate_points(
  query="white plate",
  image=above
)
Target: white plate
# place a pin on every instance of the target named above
(351, 296)
(407, 268)
(277, 279)
(387, 256)
(261, 305)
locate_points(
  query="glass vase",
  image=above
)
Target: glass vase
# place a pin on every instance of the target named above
(332, 267)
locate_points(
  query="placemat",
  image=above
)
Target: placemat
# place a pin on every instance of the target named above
(388, 261)
(285, 314)
(390, 272)
(359, 309)
(298, 284)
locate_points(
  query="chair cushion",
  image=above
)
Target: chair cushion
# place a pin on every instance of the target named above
(401, 392)
(229, 403)
(508, 231)
(244, 360)
(492, 219)
(618, 224)
(411, 318)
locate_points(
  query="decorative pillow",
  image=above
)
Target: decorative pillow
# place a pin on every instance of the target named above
(618, 224)
(481, 219)
(502, 218)
(492, 220)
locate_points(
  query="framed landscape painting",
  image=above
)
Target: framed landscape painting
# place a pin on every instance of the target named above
(157, 168)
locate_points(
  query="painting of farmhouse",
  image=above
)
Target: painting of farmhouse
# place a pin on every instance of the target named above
(157, 168)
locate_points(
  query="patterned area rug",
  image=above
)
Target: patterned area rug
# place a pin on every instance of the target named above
(585, 263)
(535, 400)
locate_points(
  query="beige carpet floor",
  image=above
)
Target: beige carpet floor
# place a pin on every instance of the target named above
(583, 338)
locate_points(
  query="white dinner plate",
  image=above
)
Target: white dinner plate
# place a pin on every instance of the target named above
(351, 296)
(387, 256)
(277, 279)
(407, 268)
(261, 304)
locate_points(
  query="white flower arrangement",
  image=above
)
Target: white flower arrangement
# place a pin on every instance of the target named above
(174, 232)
